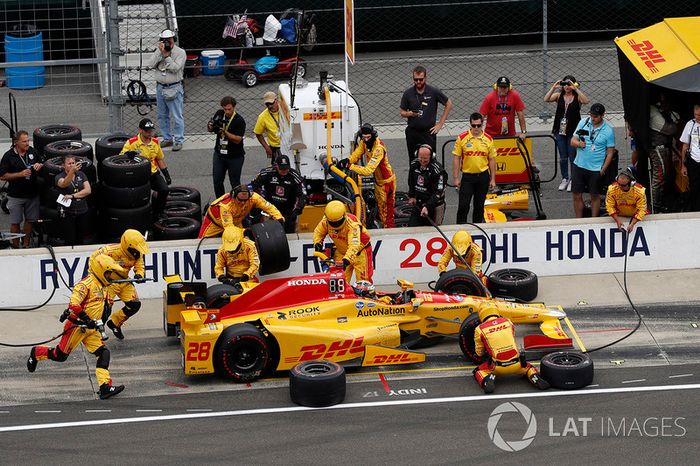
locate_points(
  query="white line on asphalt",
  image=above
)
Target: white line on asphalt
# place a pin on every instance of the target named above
(593, 386)
(98, 410)
(47, 411)
(199, 410)
(4, 412)
(679, 375)
(149, 410)
(634, 381)
(370, 404)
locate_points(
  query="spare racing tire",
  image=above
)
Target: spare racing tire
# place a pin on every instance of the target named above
(466, 339)
(125, 198)
(50, 133)
(54, 166)
(461, 281)
(241, 353)
(272, 245)
(567, 370)
(317, 383)
(123, 171)
(184, 193)
(63, 147)
(183, 209)
(110, 145)
(176, 228)
(114, 222)
(220, 294)
(520, 284)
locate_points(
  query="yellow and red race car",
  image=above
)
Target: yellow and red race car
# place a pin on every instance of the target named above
(281, 322)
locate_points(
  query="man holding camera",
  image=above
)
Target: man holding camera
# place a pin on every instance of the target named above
(594, 140)
(283, 187)
(19, 167)
(169, 62)
(229, 154)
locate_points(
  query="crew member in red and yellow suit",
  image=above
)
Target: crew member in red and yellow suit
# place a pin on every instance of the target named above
(626, 198)
(352, 242)
(379, 166)
(232, 208)
(237, 258)
(87, 304)
(495, 336)
(129, 255)
(468, 249)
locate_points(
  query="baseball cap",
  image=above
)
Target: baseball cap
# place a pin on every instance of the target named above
(282, 161)
(146, 124)
(503, 82)
(597, 109)
(269, 97)
(167, 34)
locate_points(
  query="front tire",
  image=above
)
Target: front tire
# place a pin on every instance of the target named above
(460, 281)
(317, 383)
(250, 79)
(466, 339)
(242, 353)
(567, 370)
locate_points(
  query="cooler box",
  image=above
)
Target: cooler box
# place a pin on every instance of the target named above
(213, 62)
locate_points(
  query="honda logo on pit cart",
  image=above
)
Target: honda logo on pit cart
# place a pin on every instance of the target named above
(307, 281)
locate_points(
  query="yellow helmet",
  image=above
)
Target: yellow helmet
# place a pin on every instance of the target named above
(232, 238)
(461, 242)
(103, 265)
(335, 213)
(488, 311)
(134, 244)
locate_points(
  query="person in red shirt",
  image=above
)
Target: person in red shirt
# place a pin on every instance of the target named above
(500, 107)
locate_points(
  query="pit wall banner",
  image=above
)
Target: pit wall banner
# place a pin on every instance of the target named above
(546, 247)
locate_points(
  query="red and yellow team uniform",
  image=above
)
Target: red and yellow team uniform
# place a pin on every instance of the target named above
(384, 178)
(473, 258)
(126, 291)
(244, 261)
(474, 151)
(352, 242)
(497, 338)
(152, 151)
(630, 203)
(88, 298)
(226, 211)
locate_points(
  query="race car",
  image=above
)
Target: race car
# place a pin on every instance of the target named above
(282, 322)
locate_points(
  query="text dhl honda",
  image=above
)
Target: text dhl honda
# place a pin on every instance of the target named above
(281, 322)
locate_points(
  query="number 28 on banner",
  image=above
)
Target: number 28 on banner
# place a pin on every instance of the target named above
(434, 249)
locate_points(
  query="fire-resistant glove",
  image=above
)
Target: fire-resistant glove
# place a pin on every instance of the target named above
(166, 174)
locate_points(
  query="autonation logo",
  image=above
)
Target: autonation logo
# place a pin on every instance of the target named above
(604, 426)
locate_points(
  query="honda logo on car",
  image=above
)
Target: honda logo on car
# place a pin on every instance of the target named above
(306, 281)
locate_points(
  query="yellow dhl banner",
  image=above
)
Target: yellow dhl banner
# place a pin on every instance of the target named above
(664, 48)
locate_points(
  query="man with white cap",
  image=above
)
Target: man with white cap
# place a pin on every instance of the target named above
(268, 126)
(168, 60)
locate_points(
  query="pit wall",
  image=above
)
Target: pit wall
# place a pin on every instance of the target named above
(546, 247)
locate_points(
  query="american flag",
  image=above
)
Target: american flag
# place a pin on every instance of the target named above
(235, 26)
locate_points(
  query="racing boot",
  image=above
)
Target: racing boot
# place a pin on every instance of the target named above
(539, 382)
(32, 361)
(116, 330)
(108, 390)
(489, 384)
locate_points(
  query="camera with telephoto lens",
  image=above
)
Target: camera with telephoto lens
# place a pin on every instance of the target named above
(166, 45)
(217, 123)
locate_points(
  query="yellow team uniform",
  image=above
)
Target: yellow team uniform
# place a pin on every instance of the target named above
(268, 124)
(352, 242)
(384, 178)
(475, 152)
(152, 151)
(632, 203)
(226, 211)
(244, 261)
(473, 257)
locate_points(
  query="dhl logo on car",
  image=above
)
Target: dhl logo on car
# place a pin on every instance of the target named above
(395, 358)
(334, 350)
(647, 53)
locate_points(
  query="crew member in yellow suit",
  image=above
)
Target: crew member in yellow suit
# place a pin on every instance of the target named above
(129, 255)
(626, 198)
(237, 258)
(352, 242)
(496, 337)
(468, 249)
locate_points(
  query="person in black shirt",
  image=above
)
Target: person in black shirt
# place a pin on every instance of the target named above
(426, 188)
(19, 167)
(284, 188)
(229, 154)
(419, 105)
(74, 187)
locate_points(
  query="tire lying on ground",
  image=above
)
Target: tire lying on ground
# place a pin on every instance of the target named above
(125, 198)
(317, 383)
(220, 294)
(176, 228)
(466, 339)
(520, 284)
(125, 172)
(110, 145)
(184, 193)
(183, 209)
(241, 353)
(114, 221)
(272, 245)
(460, 281)
(63, 147)
(567, 370)
(50, 133)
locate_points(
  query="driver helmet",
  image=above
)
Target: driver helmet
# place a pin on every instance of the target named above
(134, 244)
(462, 242)
(335, 213)
(232, 239)
(488, 312)
(103, 266)
(365, 289)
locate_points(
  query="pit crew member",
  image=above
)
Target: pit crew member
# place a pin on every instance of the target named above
(496, 337)
(426, 188)
(352, 242)
(237, 256)
(626, 198)
(129, 255)
(283, 187)
(87, 304)
(468, 249)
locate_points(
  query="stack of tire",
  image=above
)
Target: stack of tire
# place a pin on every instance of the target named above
(402, 209)
(183, 215)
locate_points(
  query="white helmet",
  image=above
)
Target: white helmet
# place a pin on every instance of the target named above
(167, 34)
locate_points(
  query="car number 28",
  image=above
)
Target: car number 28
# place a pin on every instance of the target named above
(197, 351)
(336, 285)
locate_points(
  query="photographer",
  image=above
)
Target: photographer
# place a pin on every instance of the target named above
(594, 140)
(229, 154)
(19, 167)
(169, 62)
(75, 188)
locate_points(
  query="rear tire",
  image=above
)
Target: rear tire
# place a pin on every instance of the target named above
(520, 284)
(567, 370)
(466, 339)
(460, 281)
(242, 353)
(317, 383)
(250, 79)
